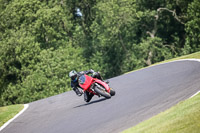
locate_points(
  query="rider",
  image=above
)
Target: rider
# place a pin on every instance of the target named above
(75, 85)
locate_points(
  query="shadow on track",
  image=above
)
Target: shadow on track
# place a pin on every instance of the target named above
(96, 101)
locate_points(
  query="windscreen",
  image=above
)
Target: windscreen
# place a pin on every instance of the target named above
(82, 79)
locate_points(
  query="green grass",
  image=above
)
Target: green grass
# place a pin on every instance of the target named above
(9, 112)
(190, 56)
(182, 118)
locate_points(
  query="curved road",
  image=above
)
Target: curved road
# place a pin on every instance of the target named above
(139, 96)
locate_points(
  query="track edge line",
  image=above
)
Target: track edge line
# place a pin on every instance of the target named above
(17, 115)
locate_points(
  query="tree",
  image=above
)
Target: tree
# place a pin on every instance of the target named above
(18, 56)
(114, 32)
(153, 50)
(47, 77)
(36, 51)
(193, 28)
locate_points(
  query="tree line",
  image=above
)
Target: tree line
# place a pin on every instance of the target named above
(42, 40)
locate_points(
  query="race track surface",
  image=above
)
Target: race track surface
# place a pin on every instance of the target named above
(139, 96)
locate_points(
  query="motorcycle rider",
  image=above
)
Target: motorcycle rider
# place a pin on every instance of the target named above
(75, 85)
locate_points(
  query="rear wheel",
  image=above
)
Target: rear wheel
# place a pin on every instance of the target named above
(101, 91)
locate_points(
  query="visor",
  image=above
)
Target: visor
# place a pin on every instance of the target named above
(73, 77)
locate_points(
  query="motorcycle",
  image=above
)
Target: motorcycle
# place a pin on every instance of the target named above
(95, 86)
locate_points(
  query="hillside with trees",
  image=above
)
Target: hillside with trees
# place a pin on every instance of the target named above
(41, 41)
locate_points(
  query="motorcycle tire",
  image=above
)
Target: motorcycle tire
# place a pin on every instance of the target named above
(101, 91)
(112, 92)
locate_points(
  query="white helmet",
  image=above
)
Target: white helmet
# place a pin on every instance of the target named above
(73, 74)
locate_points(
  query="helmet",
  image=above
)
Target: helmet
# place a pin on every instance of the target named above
(73, 75)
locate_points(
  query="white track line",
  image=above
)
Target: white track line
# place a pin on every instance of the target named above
(195, 94)
(8, 122)
(198, 60)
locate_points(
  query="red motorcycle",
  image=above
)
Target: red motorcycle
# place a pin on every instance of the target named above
(95, 86)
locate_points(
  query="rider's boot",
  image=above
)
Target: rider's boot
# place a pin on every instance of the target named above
(87, 96)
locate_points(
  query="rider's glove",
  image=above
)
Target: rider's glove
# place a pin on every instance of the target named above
(91, 70)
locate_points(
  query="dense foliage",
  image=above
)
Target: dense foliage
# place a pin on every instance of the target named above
(41, 41)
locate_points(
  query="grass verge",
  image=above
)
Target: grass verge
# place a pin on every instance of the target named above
(8, 112)
(182, 118)
(190, 56)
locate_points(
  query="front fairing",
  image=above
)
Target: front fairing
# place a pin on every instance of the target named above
(85, 81)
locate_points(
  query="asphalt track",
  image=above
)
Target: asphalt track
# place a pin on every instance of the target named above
(139, 96)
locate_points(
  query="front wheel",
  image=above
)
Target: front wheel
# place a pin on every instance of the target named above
(112, 92)
(101, 91)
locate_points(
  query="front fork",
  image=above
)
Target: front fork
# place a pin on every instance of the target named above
(91, 90)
